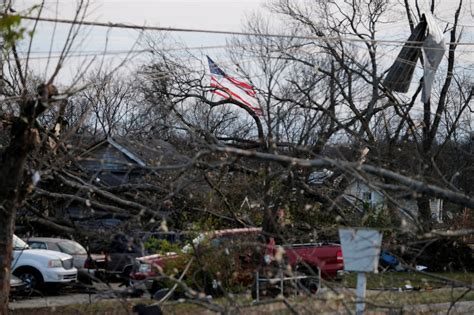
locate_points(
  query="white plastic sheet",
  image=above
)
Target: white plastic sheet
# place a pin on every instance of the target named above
(433, 50)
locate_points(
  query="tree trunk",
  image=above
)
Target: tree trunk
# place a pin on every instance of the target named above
(424, 213)
(6, 235)
(13, 190)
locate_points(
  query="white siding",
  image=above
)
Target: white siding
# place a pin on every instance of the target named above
(358, 193)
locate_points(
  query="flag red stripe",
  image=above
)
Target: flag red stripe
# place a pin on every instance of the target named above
(231, 94)
(257, 110)
(224, 95)
(226, 89)
(248, 89)
(242, 85)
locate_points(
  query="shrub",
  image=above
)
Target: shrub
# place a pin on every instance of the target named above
(444, 255)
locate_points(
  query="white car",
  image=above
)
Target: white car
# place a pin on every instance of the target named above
(88, 265)
(38, 267)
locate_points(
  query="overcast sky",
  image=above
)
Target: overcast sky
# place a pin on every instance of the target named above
(226, 15)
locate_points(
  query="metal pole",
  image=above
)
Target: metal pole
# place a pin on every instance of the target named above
(320, 283)
(281, 282)
(258, 286)
(361, 291)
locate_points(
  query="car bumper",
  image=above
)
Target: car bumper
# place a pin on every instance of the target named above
(332, 271)
(143, 280)
(16, 289)
(149, 283)
(60, 275)
(146, 284)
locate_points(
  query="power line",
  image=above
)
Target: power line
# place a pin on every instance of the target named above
(158, 75)
(181, 48)
(219, 32)
(86, 53)
(111, 53)
(101, 54)
(126, 51)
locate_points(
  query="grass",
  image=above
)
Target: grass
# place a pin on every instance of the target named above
(383, 294)
(396, 280)
(106, 307)
(324, 302)
(400, 299)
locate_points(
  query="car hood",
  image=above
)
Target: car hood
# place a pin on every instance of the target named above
(46, 253)
(155, 257)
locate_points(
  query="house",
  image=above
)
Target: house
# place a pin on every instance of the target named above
(114, 162)
(111, 163)
(361, 195)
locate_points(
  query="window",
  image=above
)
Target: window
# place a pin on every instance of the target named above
(38, 245)
(71, 248)
(367, 196)
(18, 243)
(53, 246)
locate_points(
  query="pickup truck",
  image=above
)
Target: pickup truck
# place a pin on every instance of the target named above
(41, 267)
(233, 256)
(326, 257)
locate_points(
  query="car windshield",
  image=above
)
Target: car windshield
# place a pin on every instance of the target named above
(18, 243)
(72, 248)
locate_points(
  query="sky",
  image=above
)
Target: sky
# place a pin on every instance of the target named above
(226, 15)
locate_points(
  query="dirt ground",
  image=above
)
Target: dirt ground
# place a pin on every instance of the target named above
(114, 301)
(76, 301)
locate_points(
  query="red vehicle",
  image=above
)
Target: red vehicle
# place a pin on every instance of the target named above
(239, 254)
(326, 257)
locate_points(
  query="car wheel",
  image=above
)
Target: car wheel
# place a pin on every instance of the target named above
(32, 278)
(311, 284)
(156, 286)
(160, 294)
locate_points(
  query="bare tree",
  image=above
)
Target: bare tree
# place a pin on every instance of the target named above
(210, 163)
(30, 140)
(380, 111)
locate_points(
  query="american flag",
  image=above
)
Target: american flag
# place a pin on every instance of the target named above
(230, 88)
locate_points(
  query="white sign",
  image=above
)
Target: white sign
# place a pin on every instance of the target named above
(360, 249)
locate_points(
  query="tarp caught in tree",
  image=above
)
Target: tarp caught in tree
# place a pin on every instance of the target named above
(433, 51)
(401, 72)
